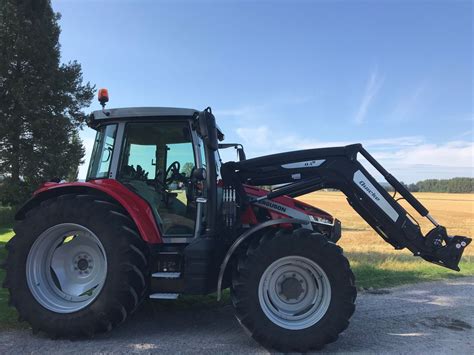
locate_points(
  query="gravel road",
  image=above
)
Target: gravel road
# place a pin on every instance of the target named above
(435, 317)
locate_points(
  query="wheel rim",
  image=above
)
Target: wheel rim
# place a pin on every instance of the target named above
(294, 292)
(66, 268)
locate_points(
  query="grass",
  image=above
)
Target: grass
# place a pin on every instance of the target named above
(8, 316)
(375, 263)
(6, 215)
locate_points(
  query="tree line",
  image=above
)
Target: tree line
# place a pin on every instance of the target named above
(454, 185)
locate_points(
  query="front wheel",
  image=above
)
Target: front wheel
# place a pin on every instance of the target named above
(293, 290)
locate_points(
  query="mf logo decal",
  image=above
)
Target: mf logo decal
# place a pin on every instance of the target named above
(365, 185)
(273, 206)
(285, 210)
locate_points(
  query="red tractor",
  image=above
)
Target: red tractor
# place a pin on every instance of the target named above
(160, 216)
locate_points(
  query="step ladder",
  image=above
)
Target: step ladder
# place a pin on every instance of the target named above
(165, 275)
(164, 296)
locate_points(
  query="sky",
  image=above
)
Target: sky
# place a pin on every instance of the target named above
(395, 76)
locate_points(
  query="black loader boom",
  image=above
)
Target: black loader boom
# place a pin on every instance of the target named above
(305, 171)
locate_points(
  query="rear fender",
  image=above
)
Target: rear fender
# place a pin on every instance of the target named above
(137, 208)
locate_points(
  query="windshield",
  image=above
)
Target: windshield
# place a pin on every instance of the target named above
(99, 167)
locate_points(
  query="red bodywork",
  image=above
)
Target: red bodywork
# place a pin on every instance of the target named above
(138, 209)
(141, 212)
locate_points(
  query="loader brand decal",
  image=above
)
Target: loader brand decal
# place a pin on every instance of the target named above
(304, 164)
(365, 185)
(369, 191)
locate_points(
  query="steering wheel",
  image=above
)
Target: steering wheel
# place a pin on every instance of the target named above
(174, 170)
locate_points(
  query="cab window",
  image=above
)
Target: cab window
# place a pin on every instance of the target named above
(157, 162)
(101, 159)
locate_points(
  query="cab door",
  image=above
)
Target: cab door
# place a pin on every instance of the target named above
(158, 159)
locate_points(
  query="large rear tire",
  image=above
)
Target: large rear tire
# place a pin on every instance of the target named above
(293, 290)
(76, 266)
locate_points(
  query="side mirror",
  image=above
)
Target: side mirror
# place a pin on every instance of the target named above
(199, 174)
(208, 129)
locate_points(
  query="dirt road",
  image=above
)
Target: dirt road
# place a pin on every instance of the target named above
(425, 318)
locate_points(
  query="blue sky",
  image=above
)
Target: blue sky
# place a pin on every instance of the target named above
(394, 75)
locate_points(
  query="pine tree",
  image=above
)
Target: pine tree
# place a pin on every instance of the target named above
(41, 100)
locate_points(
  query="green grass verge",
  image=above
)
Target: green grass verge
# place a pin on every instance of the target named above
(6, 215)
(375, 270)
(8, 315)
(378, 270)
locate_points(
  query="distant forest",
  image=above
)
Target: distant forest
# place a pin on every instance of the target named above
(454, 185)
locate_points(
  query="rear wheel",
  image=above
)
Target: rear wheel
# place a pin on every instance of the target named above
(293, 291)
(76, 266)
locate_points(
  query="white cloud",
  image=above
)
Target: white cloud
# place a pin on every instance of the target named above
(371, 89)
(467, 133)
(240, 112)
(263, 137)
(255, 136)
(455, 154)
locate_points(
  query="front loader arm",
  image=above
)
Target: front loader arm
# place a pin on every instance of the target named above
(310, 170)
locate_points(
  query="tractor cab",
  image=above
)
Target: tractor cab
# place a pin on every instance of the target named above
(168, 157)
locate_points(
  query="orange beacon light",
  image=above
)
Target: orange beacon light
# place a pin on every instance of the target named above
(103, 96)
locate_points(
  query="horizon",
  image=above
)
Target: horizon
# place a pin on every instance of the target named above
(396, 77)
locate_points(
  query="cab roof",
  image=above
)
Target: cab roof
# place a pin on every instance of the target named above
(130, 112)
(99, 116)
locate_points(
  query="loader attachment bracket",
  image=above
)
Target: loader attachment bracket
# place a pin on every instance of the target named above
(447, 251)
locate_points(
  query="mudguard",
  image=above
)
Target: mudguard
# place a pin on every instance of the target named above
(244, 236)
(138, 209)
